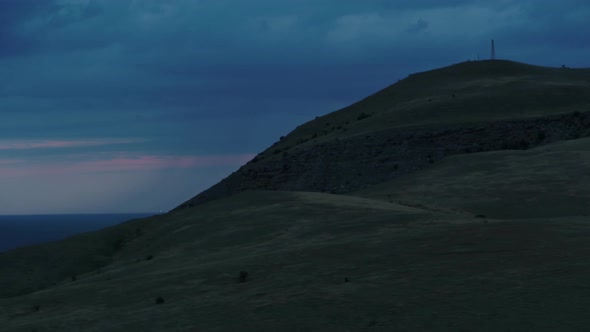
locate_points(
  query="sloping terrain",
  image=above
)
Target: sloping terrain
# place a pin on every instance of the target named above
(287, 242)
(548, 181)
(320, 262)
(407, 269)
(468, 107)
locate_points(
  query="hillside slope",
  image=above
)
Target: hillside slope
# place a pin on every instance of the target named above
(318, 262)
(543, 182)
(468, 107)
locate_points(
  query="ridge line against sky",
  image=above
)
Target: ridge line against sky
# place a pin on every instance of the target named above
(137, 105)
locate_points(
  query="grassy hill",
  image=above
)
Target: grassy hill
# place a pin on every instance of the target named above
(468, 92)
(493, 238)
(507, 102)
(475, 91)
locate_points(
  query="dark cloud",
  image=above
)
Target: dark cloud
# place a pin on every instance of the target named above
(68, 13)
(13, 16)
(419, 26)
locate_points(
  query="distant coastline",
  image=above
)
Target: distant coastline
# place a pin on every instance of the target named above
(25, 230)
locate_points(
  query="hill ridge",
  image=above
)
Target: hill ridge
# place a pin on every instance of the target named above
(463, 108)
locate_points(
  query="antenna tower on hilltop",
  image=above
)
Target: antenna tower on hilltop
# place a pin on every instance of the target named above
(493, 51)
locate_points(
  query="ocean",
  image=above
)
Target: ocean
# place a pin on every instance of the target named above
(23, 230)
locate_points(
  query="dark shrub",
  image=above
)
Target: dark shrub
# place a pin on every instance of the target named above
(362, 116)
(118, 245)
(149, 257)
(243, 276)
(480, 216)
(159, 300)
(346, 279)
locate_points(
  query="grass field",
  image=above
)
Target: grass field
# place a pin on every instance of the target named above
(548, 181)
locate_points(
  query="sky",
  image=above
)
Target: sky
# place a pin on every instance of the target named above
(111, 106)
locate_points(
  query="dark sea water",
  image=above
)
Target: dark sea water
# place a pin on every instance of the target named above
(22, 230)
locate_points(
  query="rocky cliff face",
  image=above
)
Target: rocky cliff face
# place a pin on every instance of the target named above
(347, 164)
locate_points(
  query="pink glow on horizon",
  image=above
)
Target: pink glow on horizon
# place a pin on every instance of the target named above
(122, 163)
(160, 162)
(51, 144)
(10, 161)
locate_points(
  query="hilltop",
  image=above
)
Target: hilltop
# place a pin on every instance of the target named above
(454, 200)
(468, 107)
